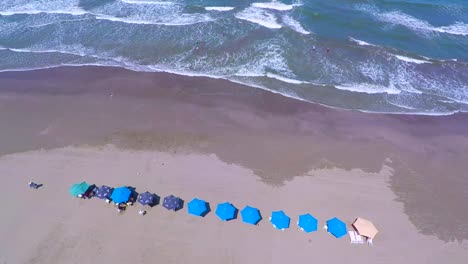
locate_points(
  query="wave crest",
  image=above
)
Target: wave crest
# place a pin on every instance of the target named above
(219, 8)
(411, 22)
(295, 25)
(259, 16)
(274, 5)
(368, 88)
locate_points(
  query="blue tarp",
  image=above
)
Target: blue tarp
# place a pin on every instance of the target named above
(226, 211)
(280, 220)
(172, 203)
(336, 227)
(197, 207)
(307, 223)
(103, 192)
(121, 195)
(251, 215)
(147, 198)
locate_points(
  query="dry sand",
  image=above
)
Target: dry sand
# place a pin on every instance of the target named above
(221, 142)
(49, 226)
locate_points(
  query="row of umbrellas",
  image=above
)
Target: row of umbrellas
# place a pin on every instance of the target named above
(123, 194)
(226, 211)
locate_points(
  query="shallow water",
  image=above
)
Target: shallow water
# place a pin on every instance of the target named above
(384, 56)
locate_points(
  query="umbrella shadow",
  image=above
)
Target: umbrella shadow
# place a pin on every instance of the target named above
(208, 209)
(236, 213)
(90, 192)
(181, 203)
(260, 219)
(134, 194)
(156, 201)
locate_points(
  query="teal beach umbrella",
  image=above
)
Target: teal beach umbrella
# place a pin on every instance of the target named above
(79, 188)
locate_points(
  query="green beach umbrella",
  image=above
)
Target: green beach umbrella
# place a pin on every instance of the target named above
(79, 188)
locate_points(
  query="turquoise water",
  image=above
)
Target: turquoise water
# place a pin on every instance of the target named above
(383, 55)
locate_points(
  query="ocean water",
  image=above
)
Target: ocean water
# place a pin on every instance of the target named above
(397, 56)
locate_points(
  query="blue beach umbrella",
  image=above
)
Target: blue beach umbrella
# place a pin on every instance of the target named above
(307, 223)
(147, 198)
(197, 207)
(280, 220)
(336, 227)
(226, 211)
(121, 195)
(251, 215)
(103, 192)
(172, 202)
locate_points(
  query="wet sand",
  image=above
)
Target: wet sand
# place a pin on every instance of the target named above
(408, 171)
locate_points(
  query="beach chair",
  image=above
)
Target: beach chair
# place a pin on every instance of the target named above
(369, 241)
(355, 237)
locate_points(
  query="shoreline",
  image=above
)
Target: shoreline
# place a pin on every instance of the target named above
(90, 121)
(188, 75)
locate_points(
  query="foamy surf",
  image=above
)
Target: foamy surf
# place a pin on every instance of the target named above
(458, 28)
(411, 60)
(145, 2)
(284, 79)
(242, 45)
(219, 8)
(361, 42)
(74, 12)
(259, 16)
(411, 22)
(368, 88)
(275, 6)
(179, 21)
(294, 24)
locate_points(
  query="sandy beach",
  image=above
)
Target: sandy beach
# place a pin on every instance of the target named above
(220, 141)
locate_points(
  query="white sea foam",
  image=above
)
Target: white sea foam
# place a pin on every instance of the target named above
(275, 5)
(75, 12)
(34, 51)
(295, 25)
(368, 88)
(126, 20)
(361, 42)
(411, 60)
(259, 16)
(283, 79)
(219, 8)
(77, 50)
(459, 28)
(400, 18)
(28, 7)
(168, 14)
(401, 105)
(181, 20)
(145, 2)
